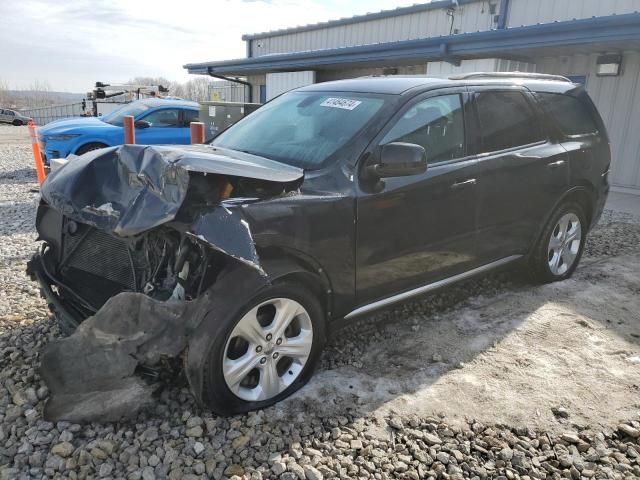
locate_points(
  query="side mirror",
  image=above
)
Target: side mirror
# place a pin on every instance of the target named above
(142, 124)
(400, 160)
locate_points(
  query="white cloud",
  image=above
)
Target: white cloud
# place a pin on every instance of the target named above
(74, 43)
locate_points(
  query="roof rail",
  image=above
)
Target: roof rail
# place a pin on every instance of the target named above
(530, 76)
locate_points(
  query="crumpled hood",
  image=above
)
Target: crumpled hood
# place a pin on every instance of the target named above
(129, 189)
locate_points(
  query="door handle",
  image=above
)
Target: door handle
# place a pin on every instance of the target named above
(557, 164)
(466, 183)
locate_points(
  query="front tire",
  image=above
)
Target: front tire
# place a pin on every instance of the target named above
(265, 351)
(89, 147)
(559, 249)
(17, 123)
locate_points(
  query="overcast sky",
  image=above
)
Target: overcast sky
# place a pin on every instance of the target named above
(71, 44)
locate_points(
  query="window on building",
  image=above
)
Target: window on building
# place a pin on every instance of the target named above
(507, 120)
(572, 115)
(437, 124)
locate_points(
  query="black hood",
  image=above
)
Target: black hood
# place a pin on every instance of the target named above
(129, 189)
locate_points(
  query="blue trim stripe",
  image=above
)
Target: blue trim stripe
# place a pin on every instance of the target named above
(597, 30)
(396, 12)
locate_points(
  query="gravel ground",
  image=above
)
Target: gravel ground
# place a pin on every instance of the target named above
(477, 382)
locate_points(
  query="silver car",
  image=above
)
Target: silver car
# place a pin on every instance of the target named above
(13, 117)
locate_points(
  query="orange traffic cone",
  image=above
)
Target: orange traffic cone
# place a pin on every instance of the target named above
(35, 148)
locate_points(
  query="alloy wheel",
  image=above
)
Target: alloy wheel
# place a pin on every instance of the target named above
(267, 349)
(564, 244)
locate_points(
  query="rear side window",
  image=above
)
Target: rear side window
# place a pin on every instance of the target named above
(507, 120)
(572, 116)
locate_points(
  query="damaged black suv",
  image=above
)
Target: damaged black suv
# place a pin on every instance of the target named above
(327, 203)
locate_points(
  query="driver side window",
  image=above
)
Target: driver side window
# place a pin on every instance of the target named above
(437, 124)
(163, 118)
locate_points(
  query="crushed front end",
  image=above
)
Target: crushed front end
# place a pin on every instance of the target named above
(133, 240)
(80, 267)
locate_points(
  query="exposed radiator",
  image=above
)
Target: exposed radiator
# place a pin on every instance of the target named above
(96, 264)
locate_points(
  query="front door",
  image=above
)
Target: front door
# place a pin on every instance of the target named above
(418, 229)
(166, 127)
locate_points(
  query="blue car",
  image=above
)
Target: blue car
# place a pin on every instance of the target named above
(158, 121)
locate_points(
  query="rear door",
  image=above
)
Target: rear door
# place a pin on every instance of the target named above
(167, 127)
(522, 172)
(419, 229)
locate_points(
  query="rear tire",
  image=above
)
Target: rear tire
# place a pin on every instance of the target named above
(559, 249)
(263, 352)
(90, 147)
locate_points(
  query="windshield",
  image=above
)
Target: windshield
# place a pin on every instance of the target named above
(116, 117)
(302, 129)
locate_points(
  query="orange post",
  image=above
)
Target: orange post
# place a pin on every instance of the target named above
(197, 132)
(129, 130)
(37, 156)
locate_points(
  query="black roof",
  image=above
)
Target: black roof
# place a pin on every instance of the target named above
(397, 85)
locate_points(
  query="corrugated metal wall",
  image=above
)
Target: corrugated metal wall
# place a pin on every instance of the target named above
(278, 83)
(225, 91)
(618, 100)
(430, 23)
(445, 69)
(530, 12)
(330, 75)
(468, 18)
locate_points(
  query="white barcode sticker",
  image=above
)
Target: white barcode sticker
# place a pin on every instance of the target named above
(344, 103)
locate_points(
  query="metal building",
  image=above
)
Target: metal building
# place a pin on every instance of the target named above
(594, 42)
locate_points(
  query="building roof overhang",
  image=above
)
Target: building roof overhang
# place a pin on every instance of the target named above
(598, 34)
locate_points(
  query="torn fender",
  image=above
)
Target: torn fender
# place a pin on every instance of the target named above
(227, 231)
(129, 189)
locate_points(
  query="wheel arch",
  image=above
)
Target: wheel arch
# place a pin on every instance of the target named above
(90, 141)
(241, 283)
(283, 264)
(583, 194)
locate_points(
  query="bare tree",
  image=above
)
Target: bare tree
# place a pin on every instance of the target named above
(5, 99)
(178, 90)
(38, 94)
(151, 81)
(197, 89)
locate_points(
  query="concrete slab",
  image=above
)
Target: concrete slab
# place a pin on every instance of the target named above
(623, 202)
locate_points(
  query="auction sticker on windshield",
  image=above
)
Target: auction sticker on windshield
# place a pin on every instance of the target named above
(344, 103)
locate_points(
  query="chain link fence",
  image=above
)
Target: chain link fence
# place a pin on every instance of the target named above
(44, 115)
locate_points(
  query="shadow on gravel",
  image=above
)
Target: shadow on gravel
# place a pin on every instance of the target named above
(18, 217)
(396, 358)
(20, 176)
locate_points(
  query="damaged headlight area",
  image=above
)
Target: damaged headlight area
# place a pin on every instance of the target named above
(134, 238)
(84, 266)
